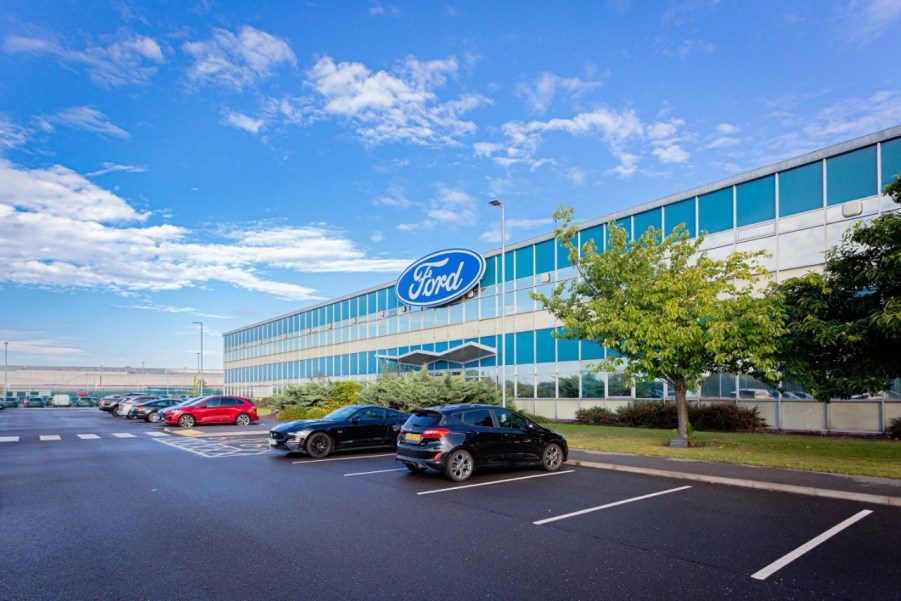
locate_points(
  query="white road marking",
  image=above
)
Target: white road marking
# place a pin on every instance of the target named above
(9, 439)
(123, 435)
(608, 505)
(156, 434)
(787, 559)
(401, 469)
(166, 442)
(51, 437)
(88, 436)
(344, 458)
(429, 492)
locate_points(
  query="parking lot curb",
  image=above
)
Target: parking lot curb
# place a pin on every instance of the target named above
(742, 483)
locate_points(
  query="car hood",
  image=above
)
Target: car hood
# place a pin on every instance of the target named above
(300, 424)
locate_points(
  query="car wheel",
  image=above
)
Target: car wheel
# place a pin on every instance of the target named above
(115, 411)
(186, 421)
(153, 417)
(459, 466)
(416, 469)
(552, 457)
(242, 420)
(319, 445)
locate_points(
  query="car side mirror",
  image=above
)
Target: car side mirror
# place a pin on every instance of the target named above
(355, 420)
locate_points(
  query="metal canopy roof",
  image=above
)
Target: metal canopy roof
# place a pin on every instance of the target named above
(470, 351)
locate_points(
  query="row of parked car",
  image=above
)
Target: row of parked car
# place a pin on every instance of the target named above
(186, 413)
(453, 439)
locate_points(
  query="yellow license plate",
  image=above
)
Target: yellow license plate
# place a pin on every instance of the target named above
(409, 437)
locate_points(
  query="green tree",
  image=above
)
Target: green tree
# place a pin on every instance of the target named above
(318, 394)
(666, 310)
(845, 324)
(420, 389)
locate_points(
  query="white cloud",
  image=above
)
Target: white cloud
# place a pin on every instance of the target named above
(11, 135)
(727, 129)
(540, 94)
(237, 61)
(451, 207)
(377, 236)
(869, 19)
(395, 198)
(114, 167)
(60, 230)
(684, 48)
(244, 122)
(86, 118)
(129, 58)
(402, 106)
(671, 153)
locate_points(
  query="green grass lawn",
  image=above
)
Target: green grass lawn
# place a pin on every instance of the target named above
(879, 458)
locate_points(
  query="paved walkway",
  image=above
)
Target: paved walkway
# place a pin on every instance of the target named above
(882, 491)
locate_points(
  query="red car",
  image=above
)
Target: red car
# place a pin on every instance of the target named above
(213, 410)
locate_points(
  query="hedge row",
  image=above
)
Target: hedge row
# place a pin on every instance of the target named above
(717, 417)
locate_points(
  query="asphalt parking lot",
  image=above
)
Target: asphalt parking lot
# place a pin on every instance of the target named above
(104, 508)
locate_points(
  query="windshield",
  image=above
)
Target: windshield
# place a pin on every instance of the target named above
(341, 415)
(191, 402)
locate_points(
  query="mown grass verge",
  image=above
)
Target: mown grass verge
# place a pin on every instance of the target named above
(854, 456)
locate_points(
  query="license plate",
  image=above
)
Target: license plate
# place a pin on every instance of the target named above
(410, 437)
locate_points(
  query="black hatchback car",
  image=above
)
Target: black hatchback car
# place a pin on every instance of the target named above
(458, 439)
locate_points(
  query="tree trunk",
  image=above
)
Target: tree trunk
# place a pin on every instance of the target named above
(681, 405)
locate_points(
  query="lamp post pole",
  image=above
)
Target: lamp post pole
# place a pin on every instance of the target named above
(497, 203)
(200, 360)
(5, 370)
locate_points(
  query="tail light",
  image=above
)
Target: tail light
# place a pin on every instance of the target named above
(436, 433)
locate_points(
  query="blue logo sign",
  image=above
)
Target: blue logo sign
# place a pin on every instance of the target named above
(440, 277)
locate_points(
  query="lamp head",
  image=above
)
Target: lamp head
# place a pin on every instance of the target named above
(495, 203)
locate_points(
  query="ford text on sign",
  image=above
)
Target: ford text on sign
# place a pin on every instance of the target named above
(440, 277)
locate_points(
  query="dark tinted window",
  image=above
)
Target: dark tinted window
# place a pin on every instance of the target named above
(508, 419)
(372, 413)
(426, 419)
(214, 402)
(476, 417)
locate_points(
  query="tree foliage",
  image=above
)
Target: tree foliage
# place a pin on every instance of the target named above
(845, 324)
(665, 309)
(318, 394)
(419, 389)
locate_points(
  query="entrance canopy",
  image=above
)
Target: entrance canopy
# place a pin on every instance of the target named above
(470, 351)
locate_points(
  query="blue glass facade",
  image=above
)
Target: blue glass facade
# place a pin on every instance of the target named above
(794, 210)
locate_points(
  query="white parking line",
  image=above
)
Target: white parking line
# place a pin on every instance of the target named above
(589, 510)
(88, 436)
(123, 435)
(156, 434)
(9, 439)
(400, 469)
(51, 437)
(787, 559)
(429, 492)
(345, 458)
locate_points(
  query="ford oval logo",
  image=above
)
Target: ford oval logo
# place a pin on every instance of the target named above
(440, 277)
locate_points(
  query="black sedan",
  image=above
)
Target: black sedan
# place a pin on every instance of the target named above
(149, 410)
(458, 439)
(352, 427)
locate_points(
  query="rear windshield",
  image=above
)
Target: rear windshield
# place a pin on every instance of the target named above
(423, 419)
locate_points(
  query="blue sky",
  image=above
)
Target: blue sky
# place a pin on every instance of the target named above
(163, 163)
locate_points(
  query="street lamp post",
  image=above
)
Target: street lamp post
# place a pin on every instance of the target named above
(5, 370)
(200, 360)
(497, 203)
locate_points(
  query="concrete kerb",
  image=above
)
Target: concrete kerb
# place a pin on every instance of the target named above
(771, 486)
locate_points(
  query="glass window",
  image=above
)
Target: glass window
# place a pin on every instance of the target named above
(525, 347)
(490, 277)
(891, 161)
(616, 386)
(592, 384)
(568, 380)
(562, 256)
(718, 386)
(547, 381)
(756, 201)
(508, 267)
(591, 350)
(649, 390)
(508, 419)
(545, 346)
(715, 211)
(544, 256)
(851, 176)
(801, 189)
(567, 349)
(524, 257)
(680, 212)
(643, 221)
(525, 381)
(594, 234)
(524, 302)
(477, 417)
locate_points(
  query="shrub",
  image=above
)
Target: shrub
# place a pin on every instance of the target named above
(596, 416)
(289, 414)
(894, 429)
(725, 417)
(420, 389)
(648, 414)
(317, 394)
